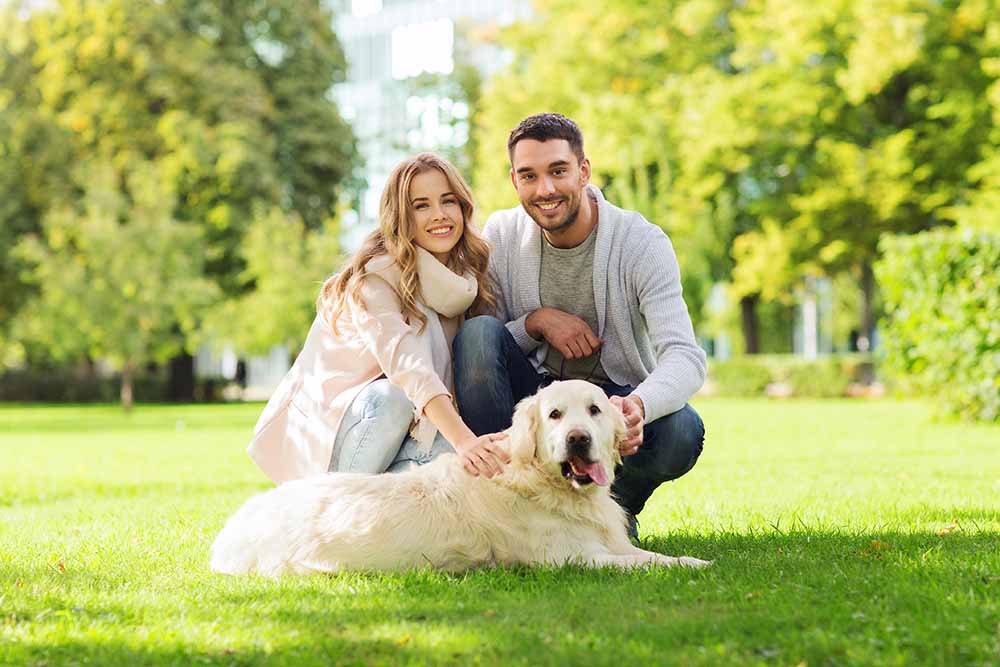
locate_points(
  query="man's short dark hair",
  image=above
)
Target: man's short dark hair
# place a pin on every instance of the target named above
(545, 126)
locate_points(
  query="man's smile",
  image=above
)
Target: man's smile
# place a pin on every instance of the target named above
(549, 206)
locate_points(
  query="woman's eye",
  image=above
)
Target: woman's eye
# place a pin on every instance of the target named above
(594, 410)
(555, 414)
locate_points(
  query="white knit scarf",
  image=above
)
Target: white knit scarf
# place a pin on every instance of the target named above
(442, 289)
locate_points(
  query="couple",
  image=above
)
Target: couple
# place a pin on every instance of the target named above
(567, 285)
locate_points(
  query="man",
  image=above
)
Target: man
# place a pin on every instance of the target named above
(586, 290)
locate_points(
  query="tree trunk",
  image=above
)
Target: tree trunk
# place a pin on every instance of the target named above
(867, 314)
(126, 390)
(748, 312)
(180, 379)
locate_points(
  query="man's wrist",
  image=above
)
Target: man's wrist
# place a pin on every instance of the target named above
(640, 404)
(531, 326)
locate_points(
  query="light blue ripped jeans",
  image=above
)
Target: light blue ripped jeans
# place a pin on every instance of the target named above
(374, 434)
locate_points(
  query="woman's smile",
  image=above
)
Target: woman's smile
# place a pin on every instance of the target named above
(437, 215)
(441, 230)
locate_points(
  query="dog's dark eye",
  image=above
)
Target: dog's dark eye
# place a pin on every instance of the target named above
(555, 414)
(594, 410)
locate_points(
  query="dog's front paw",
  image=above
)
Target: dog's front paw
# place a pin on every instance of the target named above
(679, 561)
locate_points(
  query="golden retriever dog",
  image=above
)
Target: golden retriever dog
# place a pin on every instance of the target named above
(551, 505)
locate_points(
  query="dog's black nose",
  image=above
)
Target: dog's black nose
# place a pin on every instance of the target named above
(578, 441)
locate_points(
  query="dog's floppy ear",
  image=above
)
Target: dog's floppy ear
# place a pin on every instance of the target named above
(524, 430)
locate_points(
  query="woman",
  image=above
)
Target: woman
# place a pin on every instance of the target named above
(371, 389)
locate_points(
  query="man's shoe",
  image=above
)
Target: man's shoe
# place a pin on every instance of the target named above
(631, 526)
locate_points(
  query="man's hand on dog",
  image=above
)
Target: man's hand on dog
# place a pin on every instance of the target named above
(635, 415)
(482, 455)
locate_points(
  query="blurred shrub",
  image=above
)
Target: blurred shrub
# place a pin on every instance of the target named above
(941, 333)
(858, 367)
(827, 377)
(822, 378)
(62, 385)
(740, 376)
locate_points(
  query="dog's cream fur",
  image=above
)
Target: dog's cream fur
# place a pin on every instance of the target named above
(440, 516)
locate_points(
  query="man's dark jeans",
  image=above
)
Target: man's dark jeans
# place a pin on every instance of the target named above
(492, 374)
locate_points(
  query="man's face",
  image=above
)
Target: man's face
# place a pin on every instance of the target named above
(549, 181)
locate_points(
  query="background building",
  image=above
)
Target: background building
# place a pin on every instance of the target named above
(388, 44)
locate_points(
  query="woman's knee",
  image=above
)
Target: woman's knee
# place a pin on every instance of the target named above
(385, 401)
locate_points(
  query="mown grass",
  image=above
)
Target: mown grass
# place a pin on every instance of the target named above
(843, 533)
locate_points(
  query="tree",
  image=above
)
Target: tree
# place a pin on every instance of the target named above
(117, 277)
(287, 263)
(291, 51)
(773, 140)
(897, 113)
(228, 101)
(622, 70)
(33, 166)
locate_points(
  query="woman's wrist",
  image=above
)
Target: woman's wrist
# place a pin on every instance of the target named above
(466, 441)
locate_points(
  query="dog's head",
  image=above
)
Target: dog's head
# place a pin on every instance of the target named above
(572, 430)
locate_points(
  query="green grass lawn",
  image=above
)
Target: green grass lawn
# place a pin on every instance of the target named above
(843, 533)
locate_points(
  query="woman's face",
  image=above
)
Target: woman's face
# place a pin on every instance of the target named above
(437, 214)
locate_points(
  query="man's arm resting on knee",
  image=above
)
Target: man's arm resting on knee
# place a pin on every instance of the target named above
(566, 332)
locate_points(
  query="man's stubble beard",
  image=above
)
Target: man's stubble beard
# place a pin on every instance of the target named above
(562, 226)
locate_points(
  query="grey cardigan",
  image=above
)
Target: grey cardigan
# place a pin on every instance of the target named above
(648, 340)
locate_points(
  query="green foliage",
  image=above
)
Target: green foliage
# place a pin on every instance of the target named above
(286, 263)
(118, 278)
(942, 330)
(229, 104)
(775, 322)
(889, 138)
(823, 378)
(772, 140)
(740, 376)
(826, 377)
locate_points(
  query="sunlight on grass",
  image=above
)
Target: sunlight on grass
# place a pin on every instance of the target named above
(842, 533)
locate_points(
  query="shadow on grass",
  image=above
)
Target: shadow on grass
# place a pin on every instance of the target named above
(333, 651)
(820, 597)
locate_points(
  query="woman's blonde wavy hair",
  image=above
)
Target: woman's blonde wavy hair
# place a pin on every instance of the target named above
(394, 237)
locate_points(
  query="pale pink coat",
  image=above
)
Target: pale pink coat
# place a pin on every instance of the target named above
(295, 434)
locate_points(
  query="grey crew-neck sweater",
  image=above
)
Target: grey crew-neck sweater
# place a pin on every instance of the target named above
(565, 283)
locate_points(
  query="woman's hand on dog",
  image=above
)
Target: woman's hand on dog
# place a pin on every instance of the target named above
(479, 454)
(482, 455)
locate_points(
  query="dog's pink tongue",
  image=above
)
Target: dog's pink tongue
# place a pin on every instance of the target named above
(596, 472)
